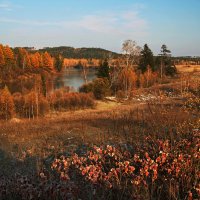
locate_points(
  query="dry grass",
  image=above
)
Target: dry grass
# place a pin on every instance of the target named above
(188, 68)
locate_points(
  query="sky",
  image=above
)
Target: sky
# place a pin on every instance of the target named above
(102, 23)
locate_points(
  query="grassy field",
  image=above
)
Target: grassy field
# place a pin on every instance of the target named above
(188, 68)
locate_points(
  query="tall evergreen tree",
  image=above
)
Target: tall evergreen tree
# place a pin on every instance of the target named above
(104, 70)
(147, 59)
(166, 66)
(21, 54)
(59, 63)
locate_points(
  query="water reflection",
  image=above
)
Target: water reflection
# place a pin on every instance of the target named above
(74, 78)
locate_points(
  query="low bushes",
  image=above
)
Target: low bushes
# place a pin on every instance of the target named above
(118, 173)
(100, 87)
(158, 170)
(68, 101)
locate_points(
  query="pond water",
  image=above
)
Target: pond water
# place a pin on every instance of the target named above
(74, 78)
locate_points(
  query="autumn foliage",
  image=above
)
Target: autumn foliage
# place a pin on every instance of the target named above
(115, 172)
(61, 101)
(7, 107)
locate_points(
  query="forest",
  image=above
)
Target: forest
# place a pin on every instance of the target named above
(78, 53)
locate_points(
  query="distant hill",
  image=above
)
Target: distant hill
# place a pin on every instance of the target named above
(78, 53)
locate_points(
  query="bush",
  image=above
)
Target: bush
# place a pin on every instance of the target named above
(120, 94)
(70, 101)
(100, 87)
(170, 71)
(87, 88)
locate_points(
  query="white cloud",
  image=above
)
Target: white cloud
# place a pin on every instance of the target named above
(127, 24)
(102, 28)
(118, 22)
(27, 22)
(6, 6)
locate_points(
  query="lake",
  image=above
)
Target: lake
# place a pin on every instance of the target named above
(74, 78)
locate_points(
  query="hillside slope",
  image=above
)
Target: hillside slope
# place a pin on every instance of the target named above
(78, 53)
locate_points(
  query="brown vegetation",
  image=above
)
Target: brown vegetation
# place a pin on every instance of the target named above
(162, 132)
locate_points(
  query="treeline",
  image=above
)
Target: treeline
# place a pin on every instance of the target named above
(136, 68)
(101, 54)
(80, 63)
(79, 53)
(20, 69)
(33, 104)
(20, 60)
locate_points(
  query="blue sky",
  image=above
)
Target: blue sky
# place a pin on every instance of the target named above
(102, 23)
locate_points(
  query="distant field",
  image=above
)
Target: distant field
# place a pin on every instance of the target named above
(188, 68)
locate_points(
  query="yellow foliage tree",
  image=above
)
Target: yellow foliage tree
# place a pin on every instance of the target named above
(34, 61)
(9, 55)
(2, 58)
(47, 61)
(7, 107)
(127, 80)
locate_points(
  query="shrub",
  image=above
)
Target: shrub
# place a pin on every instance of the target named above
(87, 88)
(100, 87)
(70, 101)
(170, 71)
(120, 94)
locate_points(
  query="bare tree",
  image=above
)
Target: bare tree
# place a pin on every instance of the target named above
(131, 53)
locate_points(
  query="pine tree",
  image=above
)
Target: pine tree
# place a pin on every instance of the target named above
(104, 70)
(59, 63)
(20, 57)
(147, 59)
(166, 66)
(7, 107)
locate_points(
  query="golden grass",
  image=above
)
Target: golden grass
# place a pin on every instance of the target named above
(188, 68)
